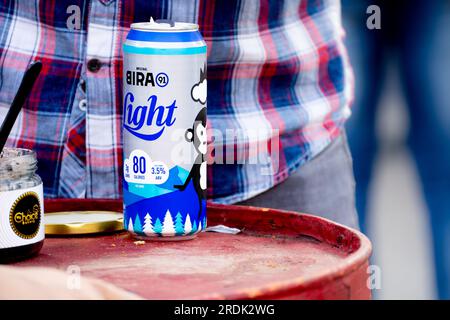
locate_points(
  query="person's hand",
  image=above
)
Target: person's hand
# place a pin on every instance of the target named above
(47, 283)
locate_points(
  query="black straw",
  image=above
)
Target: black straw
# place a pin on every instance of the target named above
(22, 94)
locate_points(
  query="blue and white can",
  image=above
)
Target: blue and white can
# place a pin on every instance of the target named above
(164, 130)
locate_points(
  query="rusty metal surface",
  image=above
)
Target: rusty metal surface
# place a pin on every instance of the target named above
(279, 255)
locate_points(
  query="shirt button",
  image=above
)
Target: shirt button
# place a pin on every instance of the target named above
(94, 65)
(82, 105)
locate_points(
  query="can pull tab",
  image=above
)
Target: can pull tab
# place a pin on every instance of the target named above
(168, 21)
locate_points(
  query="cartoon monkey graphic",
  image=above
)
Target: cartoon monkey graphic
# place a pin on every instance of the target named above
(197, 135)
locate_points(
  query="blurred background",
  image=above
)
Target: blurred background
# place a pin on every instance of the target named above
(399, 134)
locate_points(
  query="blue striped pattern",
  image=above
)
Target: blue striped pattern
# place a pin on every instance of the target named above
(187, 36)
(164, 51)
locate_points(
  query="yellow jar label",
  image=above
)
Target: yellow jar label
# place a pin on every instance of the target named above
(25, 215)
(21, 217)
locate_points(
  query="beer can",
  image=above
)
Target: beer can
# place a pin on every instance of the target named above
(164, 130)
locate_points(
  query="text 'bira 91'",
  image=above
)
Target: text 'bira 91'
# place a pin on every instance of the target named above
(139, 78)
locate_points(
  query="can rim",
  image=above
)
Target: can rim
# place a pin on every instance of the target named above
(157, 27)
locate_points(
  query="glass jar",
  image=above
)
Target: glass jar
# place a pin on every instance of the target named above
(22, 228)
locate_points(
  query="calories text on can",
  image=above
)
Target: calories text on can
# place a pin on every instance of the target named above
(164, 130)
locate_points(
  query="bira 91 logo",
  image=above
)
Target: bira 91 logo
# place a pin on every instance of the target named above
(25, 215)
(142, 77)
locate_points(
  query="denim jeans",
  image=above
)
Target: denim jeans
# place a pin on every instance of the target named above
(417, 33)
(323, 186)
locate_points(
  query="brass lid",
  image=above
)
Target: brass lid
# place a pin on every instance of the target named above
(82, 222)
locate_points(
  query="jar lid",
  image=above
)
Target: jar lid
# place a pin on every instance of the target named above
(82, 222)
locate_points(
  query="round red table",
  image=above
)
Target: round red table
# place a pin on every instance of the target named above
(278, 255)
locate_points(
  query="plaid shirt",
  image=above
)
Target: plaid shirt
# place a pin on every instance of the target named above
(272, 65)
